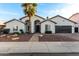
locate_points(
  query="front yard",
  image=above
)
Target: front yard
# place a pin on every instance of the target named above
(14, 37)
(41, 37)
(58, 37)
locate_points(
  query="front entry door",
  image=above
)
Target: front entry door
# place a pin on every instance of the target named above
(37, 29)
(37, 26)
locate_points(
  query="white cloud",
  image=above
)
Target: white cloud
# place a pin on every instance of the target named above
(67, 11)
(2, 20)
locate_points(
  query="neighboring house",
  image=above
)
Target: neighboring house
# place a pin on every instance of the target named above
(2, 26)
(56, 24)
(75, 17)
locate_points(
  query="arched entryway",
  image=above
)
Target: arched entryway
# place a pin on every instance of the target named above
(27, 26)
(37, 26)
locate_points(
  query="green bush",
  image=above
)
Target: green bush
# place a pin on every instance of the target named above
(6, 31)
(16, 33)
(48, 32)
(28, 32)
(22, 32)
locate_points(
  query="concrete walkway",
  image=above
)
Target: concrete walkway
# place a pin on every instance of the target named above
(39, 47)
(34, 38)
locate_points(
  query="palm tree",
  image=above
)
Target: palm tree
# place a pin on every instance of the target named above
(29, 10)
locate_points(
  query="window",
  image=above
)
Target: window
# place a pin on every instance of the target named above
(15, 28)
(47, 27)
(76, 29)
(27, 22)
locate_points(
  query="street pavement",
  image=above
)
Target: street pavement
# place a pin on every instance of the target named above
(39, 47)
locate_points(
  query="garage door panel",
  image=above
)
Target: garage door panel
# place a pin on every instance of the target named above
(63, 29)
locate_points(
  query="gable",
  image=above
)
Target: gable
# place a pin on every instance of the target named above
(13, 20)
(62, 21)
(49, 21)
(36, 17)
(14, 23)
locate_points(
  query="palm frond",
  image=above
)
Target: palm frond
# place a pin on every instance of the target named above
(29, 8)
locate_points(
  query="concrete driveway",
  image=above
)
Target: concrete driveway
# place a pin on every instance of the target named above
(39, 47)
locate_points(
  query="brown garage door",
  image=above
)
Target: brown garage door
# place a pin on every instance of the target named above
(63, 29)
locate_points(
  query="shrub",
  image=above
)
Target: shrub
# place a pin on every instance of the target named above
(1, 31)
(28, 32)
(16, 33)
(48, 32)
(22, 32)
(6, 31)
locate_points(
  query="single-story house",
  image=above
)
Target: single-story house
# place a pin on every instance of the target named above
(2, 25)
(56, 24)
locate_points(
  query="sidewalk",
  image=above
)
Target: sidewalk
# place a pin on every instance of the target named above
(39, 47)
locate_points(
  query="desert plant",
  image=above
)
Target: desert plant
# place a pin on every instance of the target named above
(48, 32)
(6, 31)
(17, 33)
(22, 32)
(29, 10)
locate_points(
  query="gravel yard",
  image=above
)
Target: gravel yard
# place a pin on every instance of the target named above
(44, 38)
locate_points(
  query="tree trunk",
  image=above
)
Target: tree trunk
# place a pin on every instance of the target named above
(29, 24)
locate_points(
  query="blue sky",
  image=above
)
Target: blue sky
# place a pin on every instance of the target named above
(9, 11)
